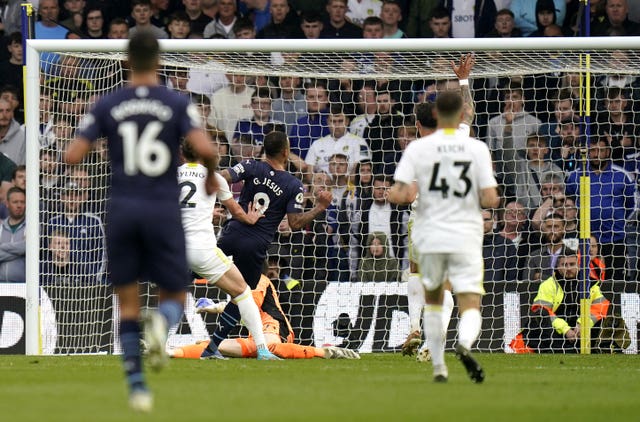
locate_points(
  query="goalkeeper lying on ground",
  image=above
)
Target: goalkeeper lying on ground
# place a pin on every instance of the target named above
(277, 331)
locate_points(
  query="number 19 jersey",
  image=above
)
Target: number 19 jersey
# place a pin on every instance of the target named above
(450, 169)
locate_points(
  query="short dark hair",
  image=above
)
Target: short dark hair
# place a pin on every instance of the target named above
(425, 115)
(198, 99)
(143, 51)
(396, 2)
(15, 171)
(568, 252)
(242, 24)
(118, 21)
(538, 137)
(10, 88)
(261, 92)
(372, 21)
(311, 16)
(275, 143)
(316, 83)
(448, 103)
(615, 92)
(505, 11)
(15, 189)
(15, 38)
(135, 3)
(440, 12)
(337, 108)
(382, 178)
(179, 16)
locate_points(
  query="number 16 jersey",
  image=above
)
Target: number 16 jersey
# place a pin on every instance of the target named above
(143, 126)
(450, 169)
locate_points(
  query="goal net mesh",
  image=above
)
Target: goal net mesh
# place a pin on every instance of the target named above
(336, 288)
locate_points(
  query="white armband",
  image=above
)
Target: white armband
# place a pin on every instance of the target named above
(464, 82)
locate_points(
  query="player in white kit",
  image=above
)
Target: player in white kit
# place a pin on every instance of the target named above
(453, 175)
(426, 124)
(203, 255)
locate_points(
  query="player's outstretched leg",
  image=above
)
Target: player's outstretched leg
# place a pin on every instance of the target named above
(226, 321)
(435, 341)
(333, 352)
(140, 399)
(415, 294)
(474, 370)
(468, 331)
(155, 339)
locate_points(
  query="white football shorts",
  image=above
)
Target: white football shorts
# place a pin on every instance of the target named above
(209, 264)
(465, 271)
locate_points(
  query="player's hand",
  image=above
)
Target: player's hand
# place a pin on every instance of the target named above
(324, 199)
(255, 213)
(463, 69)
(211, 184)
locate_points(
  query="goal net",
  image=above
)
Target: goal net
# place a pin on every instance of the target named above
(340, 279)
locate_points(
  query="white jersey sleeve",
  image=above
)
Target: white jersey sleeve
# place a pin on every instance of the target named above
(224, 191)
(405, 170)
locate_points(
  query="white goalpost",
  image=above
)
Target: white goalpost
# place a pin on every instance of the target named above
(69, 304)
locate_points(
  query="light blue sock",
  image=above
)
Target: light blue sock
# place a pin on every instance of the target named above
(131, 356)
(171, 310)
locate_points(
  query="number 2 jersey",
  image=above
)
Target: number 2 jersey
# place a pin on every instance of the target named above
(143, 126)
(451, 169)
(197, 207)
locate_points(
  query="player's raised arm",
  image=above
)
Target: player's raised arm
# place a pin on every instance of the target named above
(299, 220)
(462, 71)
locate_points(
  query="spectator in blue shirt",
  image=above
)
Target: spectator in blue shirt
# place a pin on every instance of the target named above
(314, 124)
(85, 231)
(612, 203)
(260, 123)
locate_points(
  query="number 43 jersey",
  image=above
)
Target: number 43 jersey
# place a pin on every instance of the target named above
(450, 169)
(143, 126)
(197, 207)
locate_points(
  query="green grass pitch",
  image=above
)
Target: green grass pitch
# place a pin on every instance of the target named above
(379, 387)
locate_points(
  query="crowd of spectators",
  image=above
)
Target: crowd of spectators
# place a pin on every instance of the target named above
(346, 135)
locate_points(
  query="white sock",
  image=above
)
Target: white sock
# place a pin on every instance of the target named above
(433, 331)
(251, 316)
(447, 310)
(415, 296)
(469, 327)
